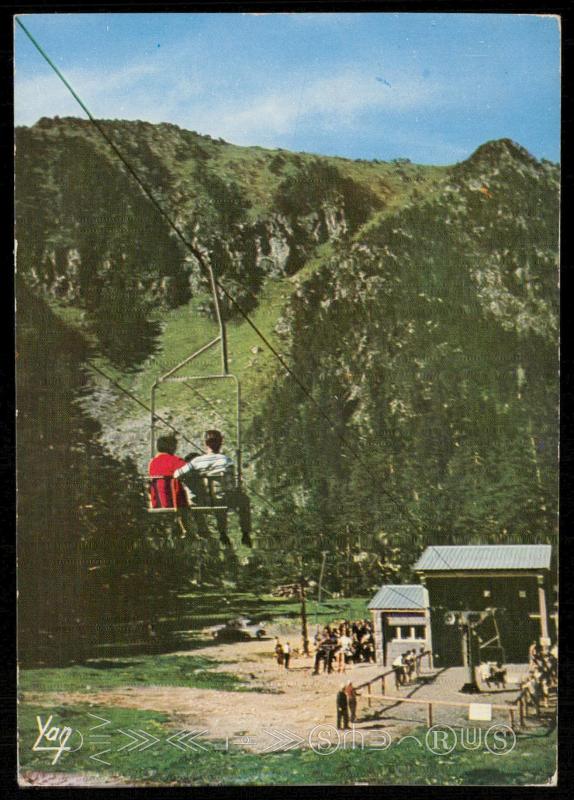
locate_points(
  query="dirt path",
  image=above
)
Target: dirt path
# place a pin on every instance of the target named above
(291, 699)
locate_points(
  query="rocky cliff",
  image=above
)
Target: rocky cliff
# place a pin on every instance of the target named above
(418, 305)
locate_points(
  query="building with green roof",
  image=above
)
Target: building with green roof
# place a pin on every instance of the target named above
(401, 621)
(511, 582)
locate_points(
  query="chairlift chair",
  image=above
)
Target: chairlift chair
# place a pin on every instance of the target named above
(215, 492)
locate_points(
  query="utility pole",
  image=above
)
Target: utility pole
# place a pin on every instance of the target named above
(304, 632)
(319, 595)
(348, 571)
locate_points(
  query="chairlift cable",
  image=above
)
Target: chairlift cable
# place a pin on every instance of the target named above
(199, 256)
(196, 252)
(211, 405)
(91, 365)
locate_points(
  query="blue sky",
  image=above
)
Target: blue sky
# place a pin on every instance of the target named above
(429, 87)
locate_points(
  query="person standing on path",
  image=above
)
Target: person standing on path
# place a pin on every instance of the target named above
(286, 654)
(333, 646)
(344, 652)
(399, 668)
(419, 660)
(352, 695)
(342, 709)
(279, 652)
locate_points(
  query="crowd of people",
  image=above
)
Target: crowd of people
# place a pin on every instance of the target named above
(542, 675)
(338, 645)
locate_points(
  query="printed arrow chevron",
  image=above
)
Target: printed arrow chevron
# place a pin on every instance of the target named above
(284, 740)
(140, 740)
(104, 721)
(95, 757)
(185, 739)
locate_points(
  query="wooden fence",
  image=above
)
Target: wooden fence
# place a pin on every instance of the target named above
(384, 675)
(517, 708)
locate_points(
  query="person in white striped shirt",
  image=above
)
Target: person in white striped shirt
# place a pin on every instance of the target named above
(213, 463)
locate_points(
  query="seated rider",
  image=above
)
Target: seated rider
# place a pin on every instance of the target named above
(165, 492)
(213, 463)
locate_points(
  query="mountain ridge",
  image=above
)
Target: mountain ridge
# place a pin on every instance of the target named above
(417, 304)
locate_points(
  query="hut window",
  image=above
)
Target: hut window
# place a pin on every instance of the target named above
(407, 632)
(486, 593)
(522, 593)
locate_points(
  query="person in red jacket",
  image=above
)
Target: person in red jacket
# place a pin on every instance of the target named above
(166, 492)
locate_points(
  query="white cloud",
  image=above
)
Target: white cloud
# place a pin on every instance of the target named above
(338, 100)
(230, 105)
(267, 108)
(46, 95)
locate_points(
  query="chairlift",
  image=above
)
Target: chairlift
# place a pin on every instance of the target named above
(217, 492)
(491, 648)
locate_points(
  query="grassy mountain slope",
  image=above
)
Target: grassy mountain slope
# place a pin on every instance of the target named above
(418, 305)
(90, 230)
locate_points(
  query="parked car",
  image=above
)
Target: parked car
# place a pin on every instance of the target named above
(238, 630)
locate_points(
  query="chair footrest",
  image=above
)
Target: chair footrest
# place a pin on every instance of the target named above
(187, 508)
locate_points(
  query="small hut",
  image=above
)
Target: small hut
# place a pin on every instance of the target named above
(514, 582)
(401, 621)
